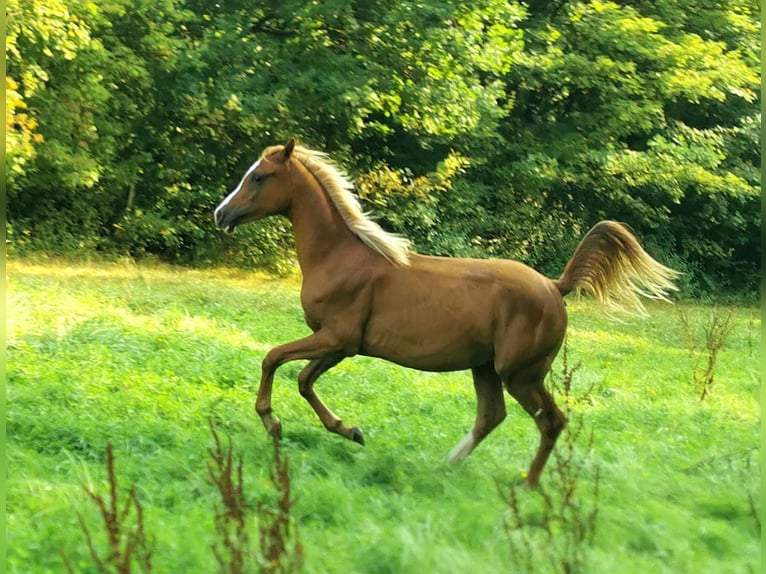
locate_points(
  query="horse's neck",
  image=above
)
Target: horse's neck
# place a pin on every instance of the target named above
(320, 231)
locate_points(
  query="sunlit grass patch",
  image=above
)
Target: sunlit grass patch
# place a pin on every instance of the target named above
(143, 356)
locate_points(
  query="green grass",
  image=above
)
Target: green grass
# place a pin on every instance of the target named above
(142, 356)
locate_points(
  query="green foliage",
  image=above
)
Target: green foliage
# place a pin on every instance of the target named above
(620, 114)
(127, 122)
(144, 356)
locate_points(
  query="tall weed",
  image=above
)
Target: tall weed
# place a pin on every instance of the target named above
(552, 528)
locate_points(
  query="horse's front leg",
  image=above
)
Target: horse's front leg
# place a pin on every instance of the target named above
(330, 420)
(317, 346)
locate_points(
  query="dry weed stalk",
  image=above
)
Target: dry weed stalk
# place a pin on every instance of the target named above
(276, 529)
(280, 552)
(126, 545)
(715, 330)
(566, 522)
(233, 550)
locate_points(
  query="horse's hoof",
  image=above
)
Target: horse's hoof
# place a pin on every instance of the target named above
(357, 436)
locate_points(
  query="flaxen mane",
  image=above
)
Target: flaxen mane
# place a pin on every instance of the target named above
(339, 187)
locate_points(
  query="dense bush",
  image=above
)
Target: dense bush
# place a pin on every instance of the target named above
(494, 129)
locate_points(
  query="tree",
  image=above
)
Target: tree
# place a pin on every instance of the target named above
(620, 114)
(489, 129)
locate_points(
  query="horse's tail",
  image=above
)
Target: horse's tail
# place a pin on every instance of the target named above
(611, 265)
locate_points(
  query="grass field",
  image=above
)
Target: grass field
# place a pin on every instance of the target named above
(142, 357)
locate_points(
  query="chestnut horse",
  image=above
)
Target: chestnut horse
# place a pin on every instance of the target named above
(365, 293)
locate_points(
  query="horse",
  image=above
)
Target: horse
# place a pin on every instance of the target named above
(366, 292)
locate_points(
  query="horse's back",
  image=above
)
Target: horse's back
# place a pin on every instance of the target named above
(524, 289)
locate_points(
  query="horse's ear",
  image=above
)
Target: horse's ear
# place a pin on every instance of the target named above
(289, 147)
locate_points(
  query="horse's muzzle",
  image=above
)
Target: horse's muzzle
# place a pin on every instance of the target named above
(226, 219)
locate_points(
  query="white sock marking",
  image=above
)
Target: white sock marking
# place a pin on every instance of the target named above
(462, 449)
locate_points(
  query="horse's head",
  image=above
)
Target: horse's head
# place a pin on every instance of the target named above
(261, 192)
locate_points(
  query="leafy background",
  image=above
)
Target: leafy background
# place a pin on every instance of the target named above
(491, 128)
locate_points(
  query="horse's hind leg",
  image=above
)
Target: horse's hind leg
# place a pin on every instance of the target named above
(330, 420)
(538, 402)
(490, 411)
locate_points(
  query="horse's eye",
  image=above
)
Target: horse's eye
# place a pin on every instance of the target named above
(256, 178)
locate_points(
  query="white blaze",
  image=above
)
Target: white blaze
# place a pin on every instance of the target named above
(229, 197)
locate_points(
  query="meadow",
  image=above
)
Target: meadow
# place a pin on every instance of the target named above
(143, 356)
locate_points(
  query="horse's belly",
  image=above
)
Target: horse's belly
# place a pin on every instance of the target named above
(437, 361)
(429, 345)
